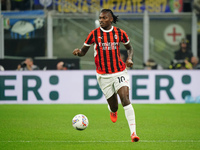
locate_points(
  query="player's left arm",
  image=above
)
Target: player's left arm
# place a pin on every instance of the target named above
(129, 60)
(128, 46)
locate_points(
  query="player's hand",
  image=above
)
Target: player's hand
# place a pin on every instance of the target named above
(188, 65)
(129, 62)
(76, 52)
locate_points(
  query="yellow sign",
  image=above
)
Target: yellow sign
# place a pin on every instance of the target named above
(128, 6)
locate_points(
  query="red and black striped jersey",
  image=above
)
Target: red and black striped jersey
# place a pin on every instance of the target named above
(107, 53)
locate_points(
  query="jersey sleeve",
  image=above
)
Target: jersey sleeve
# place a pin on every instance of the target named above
(125, 38)
(90, 39)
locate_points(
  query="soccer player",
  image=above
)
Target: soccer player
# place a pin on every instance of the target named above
(111, 71)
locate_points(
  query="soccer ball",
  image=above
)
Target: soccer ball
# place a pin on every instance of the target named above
(80, 122)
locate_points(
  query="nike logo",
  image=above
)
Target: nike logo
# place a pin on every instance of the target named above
(100, 37)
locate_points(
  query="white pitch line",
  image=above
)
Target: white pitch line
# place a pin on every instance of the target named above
(143, 141)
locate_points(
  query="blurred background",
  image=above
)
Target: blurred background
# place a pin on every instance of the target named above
(49, 30)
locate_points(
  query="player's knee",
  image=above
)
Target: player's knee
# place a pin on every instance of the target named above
(125, 100)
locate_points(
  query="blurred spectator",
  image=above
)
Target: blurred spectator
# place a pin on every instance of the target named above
(152, 65)
(184, 52)
(27, 65)
(195, 63)
(1, 68)
(182, 57)
(179, 64)
(187, 65)
(64, 66)
(61, 66)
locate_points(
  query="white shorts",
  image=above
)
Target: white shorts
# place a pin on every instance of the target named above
(111, 83)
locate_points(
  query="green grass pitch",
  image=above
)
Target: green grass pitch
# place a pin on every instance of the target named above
(49, 127)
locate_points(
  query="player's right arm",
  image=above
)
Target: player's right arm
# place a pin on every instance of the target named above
(82, 51)
(89, 40)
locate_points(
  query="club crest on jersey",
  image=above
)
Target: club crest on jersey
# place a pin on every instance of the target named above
(115, 36)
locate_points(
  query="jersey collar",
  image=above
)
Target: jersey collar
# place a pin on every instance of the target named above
(106, 30)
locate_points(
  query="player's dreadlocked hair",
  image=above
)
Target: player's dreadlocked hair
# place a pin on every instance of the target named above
(115, 18)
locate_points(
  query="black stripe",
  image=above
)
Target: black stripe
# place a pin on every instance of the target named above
(110, 53)
(98, 49)
(90, 39)
(119, 32)
(104, 52)
(125, 39)
(117, 61)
